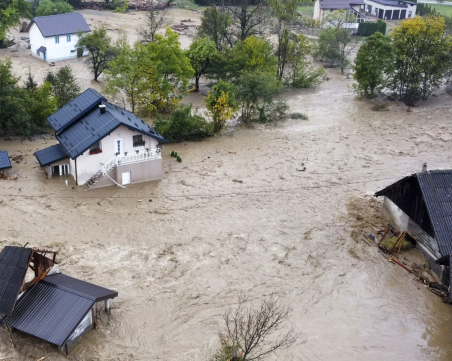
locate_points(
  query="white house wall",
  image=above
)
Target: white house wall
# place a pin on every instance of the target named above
(375, 5)
(55, 52)
(89, 164)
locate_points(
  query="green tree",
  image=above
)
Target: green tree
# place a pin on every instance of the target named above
(374, 65)
(285, 12)
(422, 57)
(64, 85)
(252, 54)
(255, 90)
(10, 13)
(125, 77)
(150, 78)
(183, 125)
(301, 73)
(48, 7)
(100, 48)
(41, 105)
(221, 104)
(214, 24)
(30, 83)
(336, 41)
(202, 53)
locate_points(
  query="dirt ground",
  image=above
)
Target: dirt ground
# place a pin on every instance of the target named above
(181, 250)
(116, 23)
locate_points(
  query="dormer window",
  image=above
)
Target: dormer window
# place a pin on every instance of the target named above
(95, 148)
(138, 140)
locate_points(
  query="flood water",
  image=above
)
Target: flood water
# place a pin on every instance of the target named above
(180, 251)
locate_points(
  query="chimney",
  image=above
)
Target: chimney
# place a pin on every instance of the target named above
(55, 12)
(424, 167)
(102, 108)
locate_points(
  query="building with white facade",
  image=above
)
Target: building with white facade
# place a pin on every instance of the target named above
(101, 144)
(54, 37)
(382, 9)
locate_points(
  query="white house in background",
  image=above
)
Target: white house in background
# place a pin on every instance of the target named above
(391, 9)
(101, 144)
(382, 9)
(54, 37)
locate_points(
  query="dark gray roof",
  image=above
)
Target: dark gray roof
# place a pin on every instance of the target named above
(85, 289)
(395, 3)
(339, 4)
(42, 49)
(49, 313)
(51, 155)
(53, 308)
(94, 126)
(4, 160)
(75, 109)
(436, 189)
(60, 24)
(13, 267)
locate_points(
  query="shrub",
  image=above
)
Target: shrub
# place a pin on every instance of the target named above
(172, 153)
(301, 116)
(368, 29)
(378, 107)
(183, 125)
(179, 159)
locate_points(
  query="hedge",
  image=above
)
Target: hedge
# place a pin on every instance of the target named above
(367, 29)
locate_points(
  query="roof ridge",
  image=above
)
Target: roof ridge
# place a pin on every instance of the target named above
(68, 290)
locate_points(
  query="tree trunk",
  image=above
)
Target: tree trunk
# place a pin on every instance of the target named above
(197, 83)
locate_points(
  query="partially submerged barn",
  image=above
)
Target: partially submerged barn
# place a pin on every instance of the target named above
(421, 205)
(52, 306)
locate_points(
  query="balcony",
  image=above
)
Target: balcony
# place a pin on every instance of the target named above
(140, 156)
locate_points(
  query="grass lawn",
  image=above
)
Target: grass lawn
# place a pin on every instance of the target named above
(306, 10)
(445, 10)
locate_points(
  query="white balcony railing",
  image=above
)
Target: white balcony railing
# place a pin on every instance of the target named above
(131, 157)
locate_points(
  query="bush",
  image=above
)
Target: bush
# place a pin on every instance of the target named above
(47, 7)
(120, 9)
(301, 116)
(183, 125)
(388, 243)
(368, 29)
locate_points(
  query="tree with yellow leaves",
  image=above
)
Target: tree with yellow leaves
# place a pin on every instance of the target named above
(422, 57)
(221, 104)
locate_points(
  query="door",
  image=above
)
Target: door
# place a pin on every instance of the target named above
(380, 13)
(125, 178)
(402, 14)
(119, 146)
(395, 14)
(64, 169)
(45, 58)
(369, 9)
(388, 14)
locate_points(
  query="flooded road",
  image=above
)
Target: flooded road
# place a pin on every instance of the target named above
(181, 250)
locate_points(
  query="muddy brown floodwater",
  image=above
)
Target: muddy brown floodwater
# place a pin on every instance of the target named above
(181, 250)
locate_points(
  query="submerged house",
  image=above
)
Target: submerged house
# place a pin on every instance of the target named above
(101, 144)
(51, 306)
(421, 205)
(54, 37)
(5, 163)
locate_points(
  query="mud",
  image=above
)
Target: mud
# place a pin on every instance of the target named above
(181, 250)
(237, 217)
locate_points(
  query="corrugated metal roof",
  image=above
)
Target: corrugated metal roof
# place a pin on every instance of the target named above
(51, 155)
(4, 160)
(436, 189)
(75, 109)
(13, 267)
(49, 313)
(85, 289)
(61, 24)
(54, 307)
(94, 126)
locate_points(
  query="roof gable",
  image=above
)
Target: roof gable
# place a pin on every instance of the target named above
(54, 307)
(75, 109)
(60, 24)
(13, 267)
(436, 197)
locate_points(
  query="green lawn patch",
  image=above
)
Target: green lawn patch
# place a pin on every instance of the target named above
(306, 10)
(445, 10)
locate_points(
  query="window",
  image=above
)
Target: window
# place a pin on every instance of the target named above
(409, 14)
(95, 148)
(57, 39)
(68, 38)
(138, 140)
